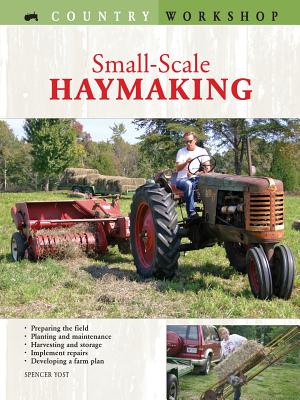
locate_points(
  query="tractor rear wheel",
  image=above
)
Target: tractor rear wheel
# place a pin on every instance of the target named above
(259, 273)
(18, 246)
(236, 254)
(283, 272)
(154, 232)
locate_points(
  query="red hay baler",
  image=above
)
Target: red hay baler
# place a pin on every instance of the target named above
(92, 224)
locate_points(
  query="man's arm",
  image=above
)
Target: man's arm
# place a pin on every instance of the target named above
(181, 165)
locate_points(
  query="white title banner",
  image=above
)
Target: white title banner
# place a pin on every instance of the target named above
(149, 71)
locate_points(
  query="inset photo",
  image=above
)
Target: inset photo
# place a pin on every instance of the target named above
(238, 362)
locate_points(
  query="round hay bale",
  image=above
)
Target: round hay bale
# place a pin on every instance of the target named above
(296, 225)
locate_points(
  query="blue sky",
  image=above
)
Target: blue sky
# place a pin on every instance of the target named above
(98, 128)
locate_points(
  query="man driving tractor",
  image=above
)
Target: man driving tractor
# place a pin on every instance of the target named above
(187, 179)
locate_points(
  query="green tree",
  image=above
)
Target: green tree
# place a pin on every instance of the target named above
(156, 153)
(100, 156)
(7, 143)
(125, 154)
(283, 165)
(117, 130)
(54, 146)
(163, 138)
(227, 134)
(15, 161)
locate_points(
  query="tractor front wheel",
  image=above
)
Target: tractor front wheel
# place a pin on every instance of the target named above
(259, 273)
(154, 232)
(236, 254)
(283, 272)
(18, 246)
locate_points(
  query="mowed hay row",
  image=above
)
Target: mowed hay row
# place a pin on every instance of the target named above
(250, 351)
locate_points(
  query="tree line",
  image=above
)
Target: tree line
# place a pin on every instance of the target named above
(38, 160)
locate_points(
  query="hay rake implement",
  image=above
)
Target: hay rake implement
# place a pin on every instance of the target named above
(256, 364)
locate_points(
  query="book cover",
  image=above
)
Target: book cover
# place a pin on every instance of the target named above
(149, 185)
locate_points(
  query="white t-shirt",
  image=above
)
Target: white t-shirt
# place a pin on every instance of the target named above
(234, 341)
(183, 154)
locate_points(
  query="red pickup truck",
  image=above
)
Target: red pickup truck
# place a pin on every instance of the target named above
(199, 343)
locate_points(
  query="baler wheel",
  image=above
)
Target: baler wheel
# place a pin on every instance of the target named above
(154, 232)
(236, 254)
(259, 273)
(283, 271)
(18, 246)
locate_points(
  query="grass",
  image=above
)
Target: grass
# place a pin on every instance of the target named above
(279, 382)
(109, 287)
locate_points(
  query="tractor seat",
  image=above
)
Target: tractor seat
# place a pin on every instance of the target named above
(173, 185)
(178, 192)
(167, 179)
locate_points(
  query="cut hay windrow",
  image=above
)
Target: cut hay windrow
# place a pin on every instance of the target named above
(242, 358)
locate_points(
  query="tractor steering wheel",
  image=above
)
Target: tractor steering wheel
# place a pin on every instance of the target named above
(202, 164)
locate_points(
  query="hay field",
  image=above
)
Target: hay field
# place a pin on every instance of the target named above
(109, 287)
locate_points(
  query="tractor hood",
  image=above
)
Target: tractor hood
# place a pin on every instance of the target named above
(240, 183)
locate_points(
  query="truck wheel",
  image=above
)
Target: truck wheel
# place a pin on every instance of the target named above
(172, 387)
(18, 246)
(283, 271)
(236, 254)
(259, 273)
(206, 369)
(154, 232)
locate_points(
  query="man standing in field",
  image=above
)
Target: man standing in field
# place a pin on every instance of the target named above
(187, 180)
(229, 344)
